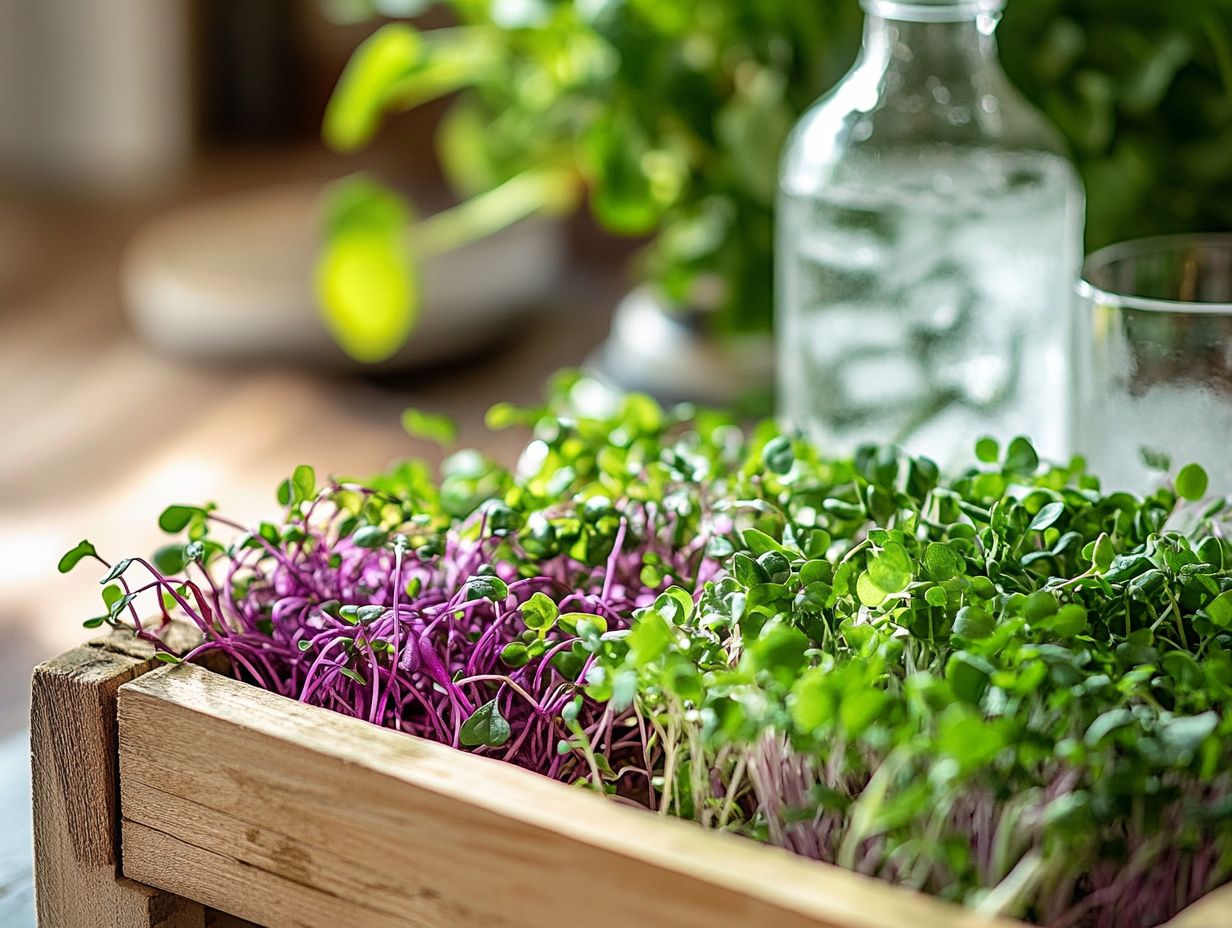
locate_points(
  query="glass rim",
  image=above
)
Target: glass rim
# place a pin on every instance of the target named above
(1137, 248)
(938, 11)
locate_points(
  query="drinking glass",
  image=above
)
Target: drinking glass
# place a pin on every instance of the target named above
(1153, 362)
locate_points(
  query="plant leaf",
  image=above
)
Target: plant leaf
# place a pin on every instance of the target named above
(435, 428)
(486, 727)
(1191, 482)
(359, 100)
(176, 518)
(75, 555)
(366, 283)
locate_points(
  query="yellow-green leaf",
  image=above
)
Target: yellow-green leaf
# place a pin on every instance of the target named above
(376, 66)
(368, 291)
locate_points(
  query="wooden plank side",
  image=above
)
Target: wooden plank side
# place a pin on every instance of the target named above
(1212, 911)
(290, 815)
(73, 757)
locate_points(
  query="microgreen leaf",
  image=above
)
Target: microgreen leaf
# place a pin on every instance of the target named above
(869, 592)
(759, 543)
(538, 612)
(485, 727)
(117, 570)
(304, 483)
(1021, 457)
(76, 555)
(370, 536)
(650, 638)
(1184, 734)
(1047, 516)
(367, 614)
(891, 569)
(428, 426)
(515, 654)
(354, 675)
(1104, 553)
(779, 455)
(973, 622)
(987, 450)
(1191, 482)
(170, 559)
(941, 562)
(486, 587)
(120, 604)
(968, 674)
(111, 594)
(1220, 609)
(1156, 460)
(176, 518)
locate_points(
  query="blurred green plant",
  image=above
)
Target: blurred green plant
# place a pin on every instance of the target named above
(668, 117)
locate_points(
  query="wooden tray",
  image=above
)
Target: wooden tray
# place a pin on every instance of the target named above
(217, 797)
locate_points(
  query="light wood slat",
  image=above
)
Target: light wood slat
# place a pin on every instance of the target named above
(1213, 911)
(290, 815)
(73, 779)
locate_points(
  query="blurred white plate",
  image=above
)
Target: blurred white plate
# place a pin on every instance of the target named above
(232, 279)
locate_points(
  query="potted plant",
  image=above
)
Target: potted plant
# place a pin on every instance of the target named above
(666, 119)
(666, 124)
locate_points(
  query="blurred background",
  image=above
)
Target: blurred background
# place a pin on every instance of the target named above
(162, 220)
(130, 378)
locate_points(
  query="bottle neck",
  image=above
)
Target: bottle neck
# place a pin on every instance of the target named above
(935, 42)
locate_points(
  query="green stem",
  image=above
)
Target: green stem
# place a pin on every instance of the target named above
(588, 752)
(733, 787)
(863, 813)
(454, 57)
(854, 551)
(1017, 886)
(523, 195)
(1175, 609)
(1221, 51)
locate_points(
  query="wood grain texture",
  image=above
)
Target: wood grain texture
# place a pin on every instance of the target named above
(290, 815)
(74, 771)
(1213, 911)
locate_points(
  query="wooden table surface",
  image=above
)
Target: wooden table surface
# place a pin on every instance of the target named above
(99, 433)
(16, 878)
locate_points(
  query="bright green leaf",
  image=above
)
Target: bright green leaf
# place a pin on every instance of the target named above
(366, 283)
(176, 518)
(75, 555)
(891, 569)
(486, 727)
(1191, 482)
(435, 428)
(358, 102)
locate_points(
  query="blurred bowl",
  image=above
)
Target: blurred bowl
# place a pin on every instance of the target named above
(673, 354)
(231, 279)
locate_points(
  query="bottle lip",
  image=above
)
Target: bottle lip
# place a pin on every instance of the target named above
(932, 11)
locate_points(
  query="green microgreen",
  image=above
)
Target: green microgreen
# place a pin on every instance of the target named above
(1007, 685)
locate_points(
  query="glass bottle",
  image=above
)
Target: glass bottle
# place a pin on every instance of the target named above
(929, 239)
